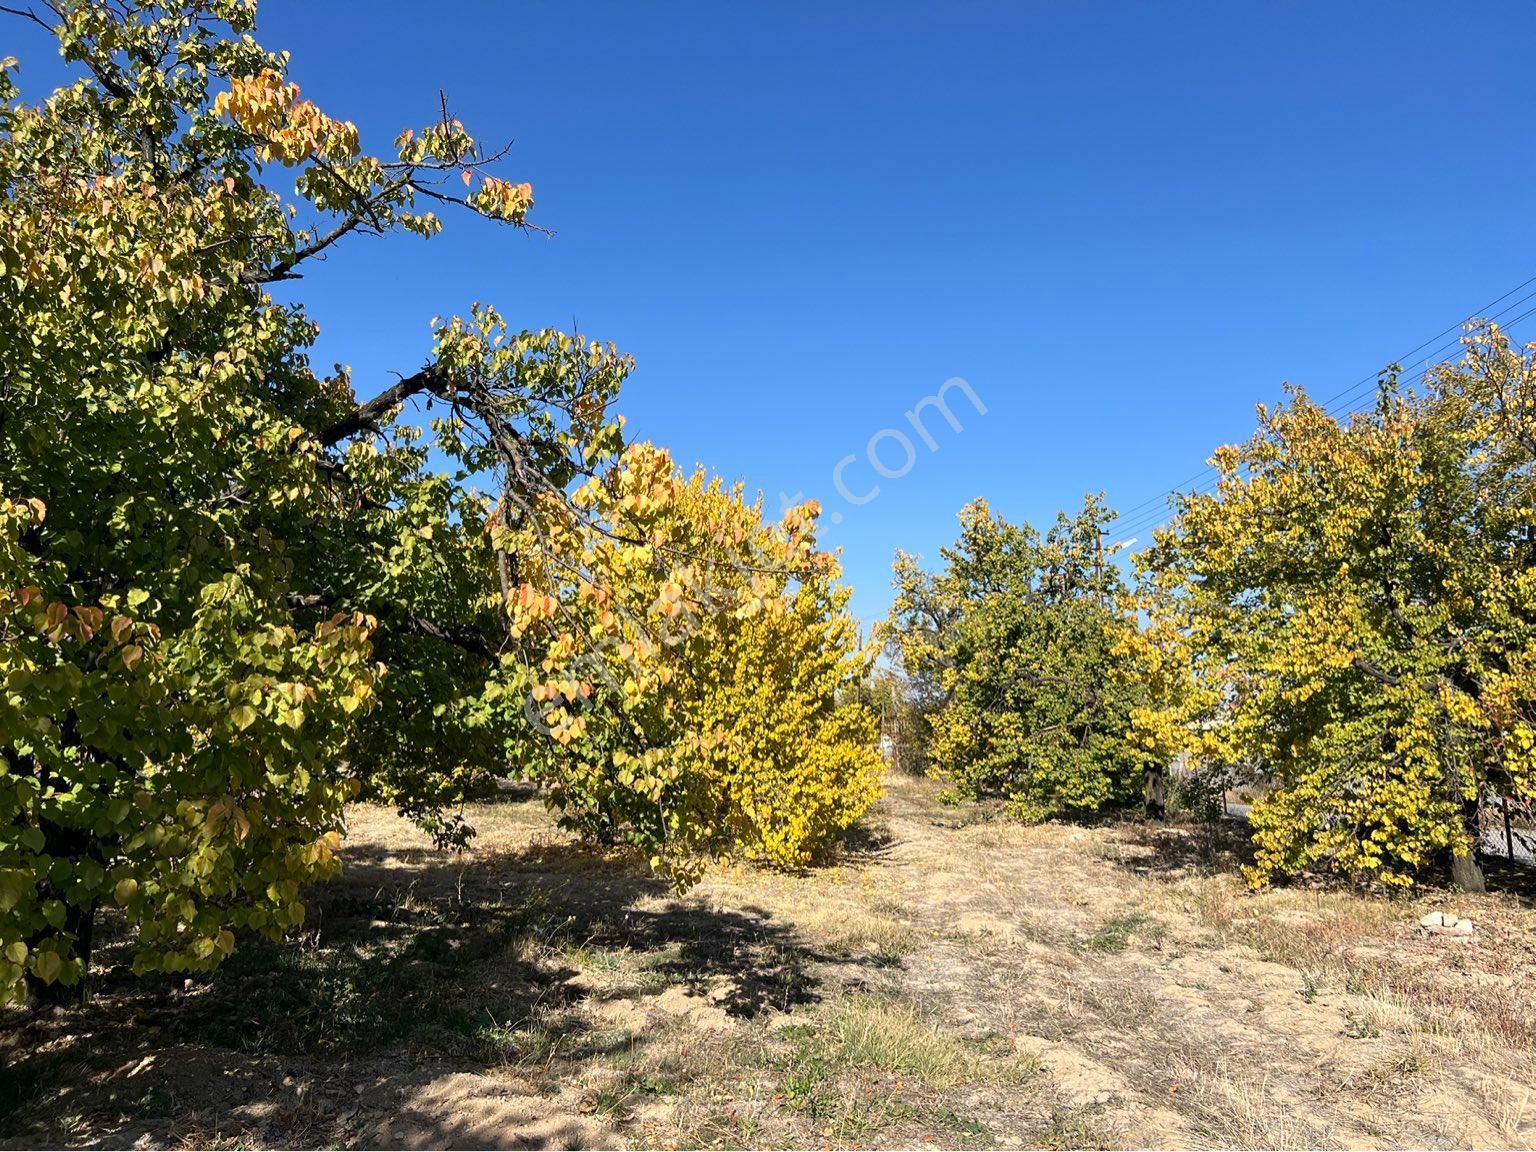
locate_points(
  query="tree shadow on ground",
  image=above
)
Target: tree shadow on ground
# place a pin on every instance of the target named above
(866, 842)
(1178, 848)
(1207, 848)
(414, 961)
(1512, 877)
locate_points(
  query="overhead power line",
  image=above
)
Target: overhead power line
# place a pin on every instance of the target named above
(1154, 517)
(1154, 510)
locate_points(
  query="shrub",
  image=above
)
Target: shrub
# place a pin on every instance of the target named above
(1020, 633)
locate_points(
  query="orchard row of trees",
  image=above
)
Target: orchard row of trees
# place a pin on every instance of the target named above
(233, 596)
(1348, 620)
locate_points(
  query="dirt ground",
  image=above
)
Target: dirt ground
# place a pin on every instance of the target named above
(952, 980)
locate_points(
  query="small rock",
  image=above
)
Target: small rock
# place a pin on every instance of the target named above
(1446, 924)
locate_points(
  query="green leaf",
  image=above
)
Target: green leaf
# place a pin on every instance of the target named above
(47, 965)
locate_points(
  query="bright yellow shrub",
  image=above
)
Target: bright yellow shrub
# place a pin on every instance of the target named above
(697, 675)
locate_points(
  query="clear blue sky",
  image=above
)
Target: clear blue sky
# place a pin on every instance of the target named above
(1121, 223)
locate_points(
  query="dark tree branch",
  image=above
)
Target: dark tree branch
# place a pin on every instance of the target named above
(463, 638)
(284, 269)
(28, 14)
(1361, 664)
(365, 213)
(430, 379)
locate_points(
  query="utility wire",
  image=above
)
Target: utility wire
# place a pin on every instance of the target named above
(1481, 313)
(1143, 516)
(1353, 394)
(1156, 517)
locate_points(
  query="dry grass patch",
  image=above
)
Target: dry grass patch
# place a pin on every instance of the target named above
(842, 909)
(1237, 1110)
(856, 931)
(867, 1034)
(884, 1001)
(1510, 1109)
(1368, 945)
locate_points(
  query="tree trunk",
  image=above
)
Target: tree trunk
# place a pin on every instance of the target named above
(1466, 872)
(1155, 808)
(80, 923)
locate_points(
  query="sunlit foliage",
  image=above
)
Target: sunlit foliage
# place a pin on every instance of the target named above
(1018, 637)
(1352, 610)
(708, 655)
(232, 596)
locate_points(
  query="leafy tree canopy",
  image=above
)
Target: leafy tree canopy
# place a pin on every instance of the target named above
(1017, 640)
(232, 595)
(1354, 610)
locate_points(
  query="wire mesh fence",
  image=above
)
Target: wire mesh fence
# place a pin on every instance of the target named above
(1507, 829)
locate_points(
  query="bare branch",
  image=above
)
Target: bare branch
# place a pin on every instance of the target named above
(28, 14)
(283, 269)
(430, 379)
(1361, 664)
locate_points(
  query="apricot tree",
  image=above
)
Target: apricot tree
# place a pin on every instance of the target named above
(233, 594)
(1353, 609)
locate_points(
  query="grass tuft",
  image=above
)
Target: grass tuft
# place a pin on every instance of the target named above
(1116, 933)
